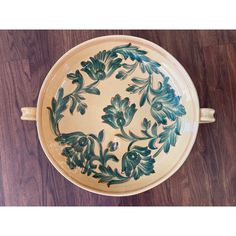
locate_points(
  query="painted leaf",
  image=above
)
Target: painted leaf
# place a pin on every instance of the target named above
(121, 75)
(169, 135)
(154, 129)
(73, 105)
(139, 80)
(93, 91)
(151, 144)
(101, 135)
(143, 98)
(111, 157)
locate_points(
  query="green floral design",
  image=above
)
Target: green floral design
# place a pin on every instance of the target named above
(165, 108)
(119, 113)
(102, 65)
(137, 162)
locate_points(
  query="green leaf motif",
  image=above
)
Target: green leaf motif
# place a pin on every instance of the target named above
(143, 98)
(81, 108)
(152, 144)
(109, 176)
(100, 136)
(154, 129)
(121, 75)
(169, 136)
(135, 54)
(93, 91)
(139, 80)
(75, 77)
(58, 105)
(146, 124)
(111, 157)
(140, 86)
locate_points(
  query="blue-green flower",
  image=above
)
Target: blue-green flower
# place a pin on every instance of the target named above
(102, 65)
(166, 104)
(81, 148)
(81, 143)
(95, 69)
(137, 162)
(120, 113)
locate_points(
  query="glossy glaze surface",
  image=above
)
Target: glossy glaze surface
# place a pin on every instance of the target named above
(134, 83)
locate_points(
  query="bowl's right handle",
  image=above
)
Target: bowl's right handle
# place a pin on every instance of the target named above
(28, 113)
(206, 115)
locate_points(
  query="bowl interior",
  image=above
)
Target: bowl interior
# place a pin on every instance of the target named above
(111, 118)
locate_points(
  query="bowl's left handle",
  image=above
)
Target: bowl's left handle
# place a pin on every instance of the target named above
(206, 115)
(28, 113)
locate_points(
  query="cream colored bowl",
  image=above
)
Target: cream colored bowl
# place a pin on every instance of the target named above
(117, 115)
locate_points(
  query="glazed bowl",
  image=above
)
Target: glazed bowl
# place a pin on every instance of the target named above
(117, 115)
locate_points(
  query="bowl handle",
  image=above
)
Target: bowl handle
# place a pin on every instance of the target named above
(28, 113)
(206, 115)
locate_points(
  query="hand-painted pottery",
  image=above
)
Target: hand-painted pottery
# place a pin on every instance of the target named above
(117, 115)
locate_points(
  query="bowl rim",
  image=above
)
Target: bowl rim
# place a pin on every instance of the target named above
(177, 165)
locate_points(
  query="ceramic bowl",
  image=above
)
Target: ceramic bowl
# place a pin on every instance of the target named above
(117, 115)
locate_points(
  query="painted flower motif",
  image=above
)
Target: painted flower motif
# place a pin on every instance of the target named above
(102, 65)
(95, 69)
(138, 162)
(81, 143)
(120, 113)
(81, 148)
(166, 105)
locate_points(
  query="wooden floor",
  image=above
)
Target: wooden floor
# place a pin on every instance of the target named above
(208, 177)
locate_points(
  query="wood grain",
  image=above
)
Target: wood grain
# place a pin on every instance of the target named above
(208, 177)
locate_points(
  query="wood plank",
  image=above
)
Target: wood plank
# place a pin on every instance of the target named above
(20, 173)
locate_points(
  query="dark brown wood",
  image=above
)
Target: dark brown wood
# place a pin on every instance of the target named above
(208, 177)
